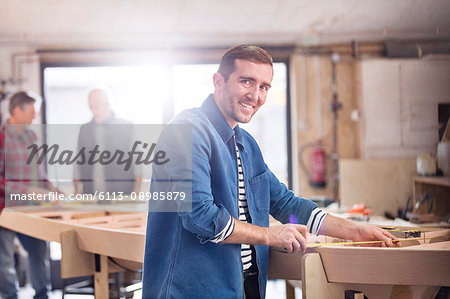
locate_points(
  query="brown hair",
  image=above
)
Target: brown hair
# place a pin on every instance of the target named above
(245, 52)
(20, 99)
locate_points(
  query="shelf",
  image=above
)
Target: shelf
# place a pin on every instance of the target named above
(433, 180)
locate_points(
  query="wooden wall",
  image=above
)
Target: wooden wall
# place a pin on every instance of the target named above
(383, 185)
(312, 80)
(394, 104)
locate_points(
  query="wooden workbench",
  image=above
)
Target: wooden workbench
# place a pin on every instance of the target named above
(88, 240)
(419, 268)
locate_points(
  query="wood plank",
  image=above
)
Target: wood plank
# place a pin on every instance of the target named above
(290, 291)
(286, 266)
(283, 265)
(66, 215)
(316, 285)
(109, 242)
(398, 266)
(104, 221)
(33, 225)
(101, 278)
(437, 245)
(384, 185)
(131, 220)
(439, 181)
(437, 233)
(125, 245)
(74, 262)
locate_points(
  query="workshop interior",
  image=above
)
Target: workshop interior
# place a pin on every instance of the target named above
(356, 120)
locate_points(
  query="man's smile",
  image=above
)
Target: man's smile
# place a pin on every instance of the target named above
(247, 106)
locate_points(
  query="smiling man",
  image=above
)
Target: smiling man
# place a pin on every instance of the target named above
(221, 248)
(241, 93)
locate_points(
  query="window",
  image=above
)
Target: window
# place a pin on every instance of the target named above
(155, 93)
(136, 93)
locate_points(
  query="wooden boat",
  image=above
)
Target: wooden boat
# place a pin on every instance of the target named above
(97, 243)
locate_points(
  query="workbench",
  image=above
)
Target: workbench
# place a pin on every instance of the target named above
(416, 270)
(92, 243)
(89, 240)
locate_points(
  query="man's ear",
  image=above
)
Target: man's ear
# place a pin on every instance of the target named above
(218, 80)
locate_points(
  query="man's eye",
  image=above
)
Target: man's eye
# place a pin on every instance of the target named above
(246, 82)
(265, 88)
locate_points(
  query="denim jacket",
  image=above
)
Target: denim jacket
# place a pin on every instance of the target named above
(179, 260)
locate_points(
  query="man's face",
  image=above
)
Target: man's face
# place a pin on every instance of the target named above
(98, 104)
(24, 116)
(239, 97)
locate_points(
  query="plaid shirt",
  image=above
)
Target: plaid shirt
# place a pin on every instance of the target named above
(15, 174)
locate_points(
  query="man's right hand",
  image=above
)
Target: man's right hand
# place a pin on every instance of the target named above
(290, 237)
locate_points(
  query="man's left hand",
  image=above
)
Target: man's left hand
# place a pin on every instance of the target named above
(348, 230)
(367, 232)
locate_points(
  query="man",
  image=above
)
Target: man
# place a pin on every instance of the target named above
(221, 248)
(27, 179)
(110, 133)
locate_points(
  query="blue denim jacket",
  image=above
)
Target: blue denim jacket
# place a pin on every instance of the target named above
(179, 261)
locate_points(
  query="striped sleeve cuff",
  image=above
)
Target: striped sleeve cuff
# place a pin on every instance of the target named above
(228, 229)
(315, 221)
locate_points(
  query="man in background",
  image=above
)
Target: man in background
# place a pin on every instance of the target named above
(107, 132)
(28, 178)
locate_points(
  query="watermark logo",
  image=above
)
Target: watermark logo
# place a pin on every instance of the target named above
(91, 157)
(112, 167)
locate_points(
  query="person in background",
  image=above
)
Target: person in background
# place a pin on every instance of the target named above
(220, 249)
(28, 178)
(108, 132)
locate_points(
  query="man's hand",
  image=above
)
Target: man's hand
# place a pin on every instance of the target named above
(367, 232)
(291, 237)
(340, 228)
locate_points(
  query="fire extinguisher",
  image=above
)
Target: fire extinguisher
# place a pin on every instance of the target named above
(318, 159)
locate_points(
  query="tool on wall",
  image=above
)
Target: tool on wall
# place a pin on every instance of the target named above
(416, 212)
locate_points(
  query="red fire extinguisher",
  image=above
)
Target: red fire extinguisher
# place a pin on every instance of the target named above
(318, 158)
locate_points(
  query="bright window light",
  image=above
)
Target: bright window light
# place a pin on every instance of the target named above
(155, 93)
(136, 93)
(192, 84)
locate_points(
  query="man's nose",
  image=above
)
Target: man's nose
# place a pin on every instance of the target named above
(253, 94)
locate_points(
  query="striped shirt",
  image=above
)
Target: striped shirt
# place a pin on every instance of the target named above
(244, 215)
(315, 221)
(313, 225)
